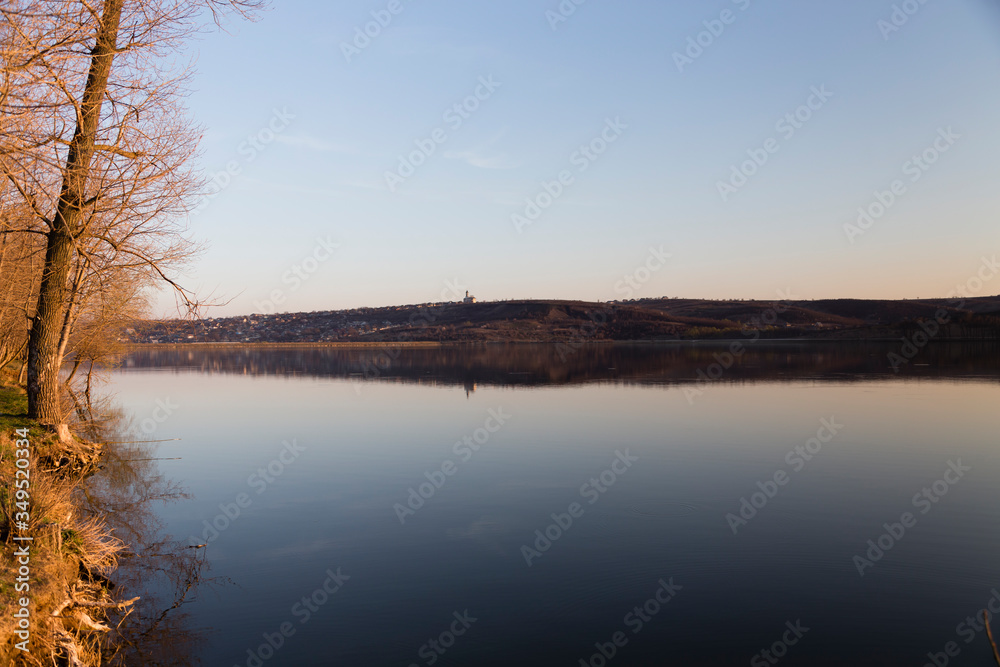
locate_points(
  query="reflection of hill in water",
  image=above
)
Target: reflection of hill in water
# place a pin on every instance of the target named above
(531, 365)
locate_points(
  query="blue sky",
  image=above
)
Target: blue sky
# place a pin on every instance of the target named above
(680, 131)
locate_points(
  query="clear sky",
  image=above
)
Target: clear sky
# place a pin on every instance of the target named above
(665, 121)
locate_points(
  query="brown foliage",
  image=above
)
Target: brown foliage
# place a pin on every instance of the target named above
(95, 149)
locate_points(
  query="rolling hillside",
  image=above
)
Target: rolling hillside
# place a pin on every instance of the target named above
(581, 322)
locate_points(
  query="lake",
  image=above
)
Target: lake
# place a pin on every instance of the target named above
(624, 505)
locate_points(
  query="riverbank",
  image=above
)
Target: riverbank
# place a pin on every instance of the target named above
(575, 322)
(54, 561)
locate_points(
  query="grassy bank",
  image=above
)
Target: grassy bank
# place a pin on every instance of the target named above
(66, 556)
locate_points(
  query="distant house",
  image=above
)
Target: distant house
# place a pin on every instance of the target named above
(468, 299)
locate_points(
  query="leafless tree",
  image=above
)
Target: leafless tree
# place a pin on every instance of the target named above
(96, 146)
(20, 258)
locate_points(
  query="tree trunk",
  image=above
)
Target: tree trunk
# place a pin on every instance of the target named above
(46, 329)
(44, 358)
(70, 316)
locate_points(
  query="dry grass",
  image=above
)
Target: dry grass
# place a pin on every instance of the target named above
(66, 546)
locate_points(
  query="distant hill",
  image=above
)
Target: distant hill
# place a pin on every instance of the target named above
(578, 322)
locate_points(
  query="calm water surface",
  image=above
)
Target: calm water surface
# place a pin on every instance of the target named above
(396, 507)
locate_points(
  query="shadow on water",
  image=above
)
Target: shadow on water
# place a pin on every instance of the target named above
(126, 492)
(556, 364)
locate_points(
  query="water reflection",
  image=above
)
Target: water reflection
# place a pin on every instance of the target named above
(126, 492)
(365, 452)
(532, 365)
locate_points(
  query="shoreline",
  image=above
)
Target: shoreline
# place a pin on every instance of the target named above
(595, 343)
(54, 546)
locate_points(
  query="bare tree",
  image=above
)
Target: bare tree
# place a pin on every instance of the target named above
(104, 305)
(20, 258)
(97, 147)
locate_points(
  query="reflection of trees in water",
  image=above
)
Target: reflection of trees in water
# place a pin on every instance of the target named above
(125, 492)
(529, 365)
